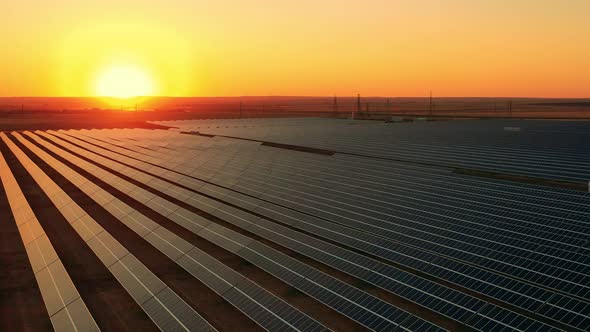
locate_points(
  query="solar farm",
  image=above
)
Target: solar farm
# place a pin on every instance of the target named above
(297, 224)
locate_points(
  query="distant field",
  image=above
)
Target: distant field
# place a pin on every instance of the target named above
(76, 113)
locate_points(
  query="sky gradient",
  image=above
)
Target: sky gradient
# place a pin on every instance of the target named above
(306, 47)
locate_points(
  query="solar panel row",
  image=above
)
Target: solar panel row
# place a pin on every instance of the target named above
(388, 245)
(268, 236)
(436, 143)
(529, 304)
(235, 242)
(64, 304)
(274, 314)
(161, 304)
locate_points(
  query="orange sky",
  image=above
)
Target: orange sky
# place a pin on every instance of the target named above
(304, 47)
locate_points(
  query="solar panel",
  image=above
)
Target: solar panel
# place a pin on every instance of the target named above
(139, 281)
(213, 233)
(388, 213)
(178, 249)
(62, 300)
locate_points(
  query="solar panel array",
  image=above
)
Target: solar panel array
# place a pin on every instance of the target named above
(224, 230)
(468, 143)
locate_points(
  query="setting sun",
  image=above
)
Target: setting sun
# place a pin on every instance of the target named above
(124, 82)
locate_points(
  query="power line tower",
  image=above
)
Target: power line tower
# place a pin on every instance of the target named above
(431, 105)
(358, 103)
(335, 105)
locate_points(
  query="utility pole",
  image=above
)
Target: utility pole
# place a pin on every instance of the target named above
(389, 107)
(358, 103)
(335, 105)
(431, 104)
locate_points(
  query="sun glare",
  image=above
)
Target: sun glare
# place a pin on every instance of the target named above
(124, 82)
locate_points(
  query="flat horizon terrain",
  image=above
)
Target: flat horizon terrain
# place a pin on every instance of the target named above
(76, 113)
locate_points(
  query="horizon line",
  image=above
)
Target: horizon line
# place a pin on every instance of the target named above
(295, 96)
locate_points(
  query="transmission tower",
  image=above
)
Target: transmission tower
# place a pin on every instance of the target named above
(431, 103)
(358, 103)
(335, 105)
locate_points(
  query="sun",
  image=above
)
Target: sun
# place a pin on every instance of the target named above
(124, 81)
